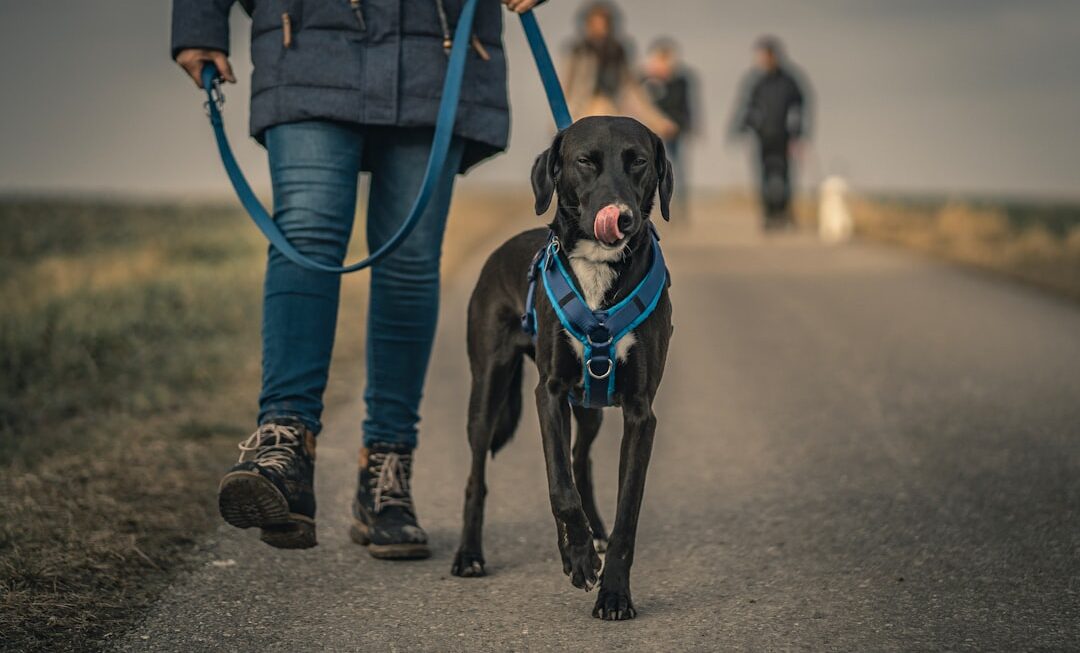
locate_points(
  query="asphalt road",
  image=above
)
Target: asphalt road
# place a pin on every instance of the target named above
(858, 450)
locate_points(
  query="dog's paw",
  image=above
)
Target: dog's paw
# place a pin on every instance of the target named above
(614, 605)
(468, 565)
(584, 565)
(601, 543)
(564, 548)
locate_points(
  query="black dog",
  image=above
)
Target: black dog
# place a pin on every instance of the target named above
(606, 172)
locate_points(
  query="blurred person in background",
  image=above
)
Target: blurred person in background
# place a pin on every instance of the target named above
(672, 89)
(773, 106)
(322, 123)
(598, 73)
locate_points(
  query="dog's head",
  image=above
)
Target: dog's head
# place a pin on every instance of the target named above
(606, 171)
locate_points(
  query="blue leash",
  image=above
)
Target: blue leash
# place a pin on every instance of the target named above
(440, 146)
(550, 79)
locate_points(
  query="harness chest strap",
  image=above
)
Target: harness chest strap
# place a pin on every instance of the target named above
(598, 331)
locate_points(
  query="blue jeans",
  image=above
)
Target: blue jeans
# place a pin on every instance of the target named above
(314, 167)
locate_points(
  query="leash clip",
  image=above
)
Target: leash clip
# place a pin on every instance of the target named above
(216, 96)
(552, 252)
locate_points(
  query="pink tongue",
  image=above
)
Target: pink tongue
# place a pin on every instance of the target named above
(606, 225)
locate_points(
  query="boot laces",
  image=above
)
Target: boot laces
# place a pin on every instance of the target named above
(390, 480)
(273, 446)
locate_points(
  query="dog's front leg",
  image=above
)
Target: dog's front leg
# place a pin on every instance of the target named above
(639, 426)
(580, 560)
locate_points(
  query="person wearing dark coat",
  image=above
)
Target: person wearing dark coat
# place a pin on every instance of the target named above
(672, 88)
(774, 109)
(340, 87)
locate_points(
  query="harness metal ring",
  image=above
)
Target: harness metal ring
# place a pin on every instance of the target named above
(600, 377)
(600, 344)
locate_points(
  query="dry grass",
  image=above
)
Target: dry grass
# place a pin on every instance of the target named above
(128, 371)
(1039, 245)
(125, 371)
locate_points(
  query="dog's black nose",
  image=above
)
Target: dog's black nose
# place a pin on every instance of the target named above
(626, 220)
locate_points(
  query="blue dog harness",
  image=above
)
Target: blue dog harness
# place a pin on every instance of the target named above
(598, 331)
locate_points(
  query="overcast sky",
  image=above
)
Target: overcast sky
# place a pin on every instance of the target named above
(919, 95)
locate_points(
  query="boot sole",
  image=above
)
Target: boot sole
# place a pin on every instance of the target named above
(358, 532)
(247, 500)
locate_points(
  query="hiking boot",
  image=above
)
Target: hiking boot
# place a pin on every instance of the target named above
(384, 518)
(272, 485)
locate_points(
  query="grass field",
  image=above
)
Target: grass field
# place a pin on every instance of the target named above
(129, 369)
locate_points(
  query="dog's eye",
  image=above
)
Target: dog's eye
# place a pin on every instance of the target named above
(640, 161)
(585, 161)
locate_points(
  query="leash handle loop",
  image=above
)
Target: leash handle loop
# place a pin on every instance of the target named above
(440, 146)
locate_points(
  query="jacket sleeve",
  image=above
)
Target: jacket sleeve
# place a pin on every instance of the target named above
(200, 24)
(799, 109)
(745, 117)
(684, 104)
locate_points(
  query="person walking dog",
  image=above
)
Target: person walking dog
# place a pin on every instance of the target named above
(774, 107)
(340, 87)
(672, 87)
(598, 72)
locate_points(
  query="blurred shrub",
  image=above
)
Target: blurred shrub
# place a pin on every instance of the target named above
(1039, 243)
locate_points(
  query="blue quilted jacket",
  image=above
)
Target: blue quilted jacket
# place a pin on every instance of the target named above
(370, 62)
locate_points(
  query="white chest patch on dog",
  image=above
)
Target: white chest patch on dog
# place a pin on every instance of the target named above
(591, 263)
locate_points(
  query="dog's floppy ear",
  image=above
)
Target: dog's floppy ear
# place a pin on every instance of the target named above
(545, 172)
(665, 177)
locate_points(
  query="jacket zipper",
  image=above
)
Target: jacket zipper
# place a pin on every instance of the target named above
(286, 30)
(480, 49)
(359, 12)
(448, 42)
